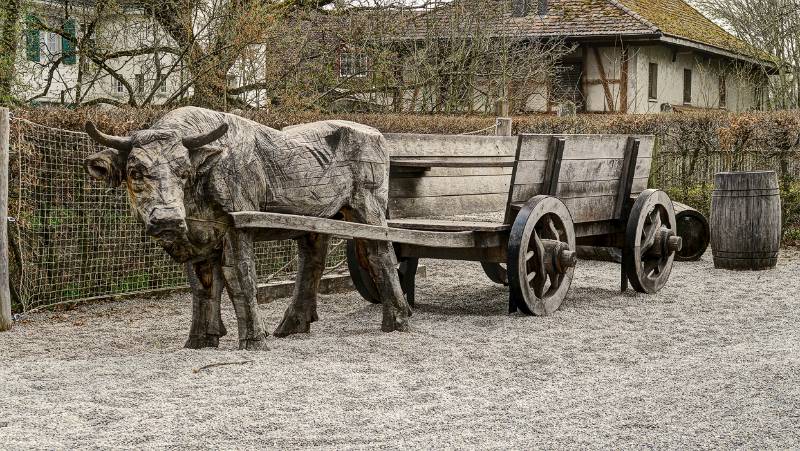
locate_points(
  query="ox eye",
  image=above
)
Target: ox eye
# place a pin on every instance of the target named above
(135, 174)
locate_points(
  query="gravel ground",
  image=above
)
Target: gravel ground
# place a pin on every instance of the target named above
(713, 360)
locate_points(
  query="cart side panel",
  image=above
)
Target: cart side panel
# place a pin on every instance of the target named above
(448, 191)
(590, 173)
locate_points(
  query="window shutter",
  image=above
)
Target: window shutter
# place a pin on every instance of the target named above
(67, 44)
(32, 43)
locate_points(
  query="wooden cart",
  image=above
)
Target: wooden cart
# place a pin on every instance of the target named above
(557, 192)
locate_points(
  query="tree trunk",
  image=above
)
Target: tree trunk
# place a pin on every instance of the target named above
(8, 47)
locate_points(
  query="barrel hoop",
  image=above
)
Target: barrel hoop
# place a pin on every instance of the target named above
(746, 255)
(746, 193)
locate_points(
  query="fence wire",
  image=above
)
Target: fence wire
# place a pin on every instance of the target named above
(73, 239)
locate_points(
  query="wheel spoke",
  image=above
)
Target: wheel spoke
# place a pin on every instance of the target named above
(553, 230)
(538, 284)
(540, 277)
(554, 280)
(650, 237)
(651, 267)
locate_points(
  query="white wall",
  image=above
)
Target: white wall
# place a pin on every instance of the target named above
(740, 83)
(113, 33)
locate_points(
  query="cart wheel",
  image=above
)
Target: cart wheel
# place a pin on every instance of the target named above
(496, 272)
(362, 279)
(541, 256)
(650, 242)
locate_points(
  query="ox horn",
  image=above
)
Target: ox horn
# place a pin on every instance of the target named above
(195, 141)
(115, 142)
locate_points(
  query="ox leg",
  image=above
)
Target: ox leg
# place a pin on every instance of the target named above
(312, 250)
(382, 264)
(206, 282)
(240, 279)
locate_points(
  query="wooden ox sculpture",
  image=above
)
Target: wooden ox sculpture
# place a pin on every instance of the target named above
(194, 167)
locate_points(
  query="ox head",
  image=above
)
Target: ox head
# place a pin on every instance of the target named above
(157, 166)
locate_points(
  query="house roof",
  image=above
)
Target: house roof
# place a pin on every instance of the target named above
(678, 19)
(670, 21)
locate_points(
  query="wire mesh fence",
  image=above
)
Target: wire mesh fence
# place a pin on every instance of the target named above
(72, 239)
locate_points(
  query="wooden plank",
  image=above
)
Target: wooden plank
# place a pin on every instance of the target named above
(510, 213)
(529, 172)
(534, 147)
(412, 145)
(436, 225)
(6, 320)
(587, 209)
(495, 254)
(587, 229)
(451, 163)
(626, 177)
(449, 172)
(446, 205)
(586, 147)
(568, 190)
(349, 230)
(450, 186)
(553, 170)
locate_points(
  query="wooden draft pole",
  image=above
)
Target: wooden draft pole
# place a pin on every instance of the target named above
(6, 320)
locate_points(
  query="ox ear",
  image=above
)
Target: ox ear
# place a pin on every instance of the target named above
(204, 158)
(108, 165)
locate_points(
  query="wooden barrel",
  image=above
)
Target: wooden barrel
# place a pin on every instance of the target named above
(746, 220)
(693, 228)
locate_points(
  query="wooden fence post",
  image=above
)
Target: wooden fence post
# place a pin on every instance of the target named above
(503, 123)
(5, 295)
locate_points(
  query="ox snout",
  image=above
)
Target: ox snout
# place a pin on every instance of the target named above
(166, 223)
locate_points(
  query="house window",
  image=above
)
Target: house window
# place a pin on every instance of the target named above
(139, 83)
(352, 65)
(723, 92)
(652, 87)
(162, 88)
(687, 86)
(51, 44)
(117, 86)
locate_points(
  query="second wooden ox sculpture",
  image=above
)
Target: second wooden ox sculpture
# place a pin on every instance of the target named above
(194, 167)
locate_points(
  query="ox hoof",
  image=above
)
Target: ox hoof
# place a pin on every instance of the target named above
(202, 341)
(395, 324)
(294, 324)
(253, 345)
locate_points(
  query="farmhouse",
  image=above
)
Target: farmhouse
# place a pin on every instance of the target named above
(626, 56)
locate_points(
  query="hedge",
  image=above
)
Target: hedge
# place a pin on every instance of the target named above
(690, 146)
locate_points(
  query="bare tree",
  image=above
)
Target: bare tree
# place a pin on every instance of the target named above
(772, 25)
(134, 48)
(449, 57)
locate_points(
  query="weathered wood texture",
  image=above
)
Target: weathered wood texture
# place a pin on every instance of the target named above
(590, 175)
(5, 295)
(350, 230)
(193, 167)
(745, 220)
(441, 175)
(452, 175)
(693, 228)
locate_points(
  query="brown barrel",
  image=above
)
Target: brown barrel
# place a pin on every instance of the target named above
(746, 220)
(693, 228)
